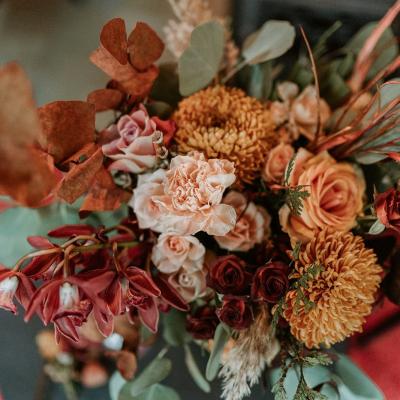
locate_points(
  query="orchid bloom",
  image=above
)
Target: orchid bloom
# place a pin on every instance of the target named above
(68, 301)
(14, 284)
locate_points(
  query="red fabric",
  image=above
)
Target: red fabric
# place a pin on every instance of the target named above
(377, 350)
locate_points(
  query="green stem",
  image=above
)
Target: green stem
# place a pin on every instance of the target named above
(69, 390)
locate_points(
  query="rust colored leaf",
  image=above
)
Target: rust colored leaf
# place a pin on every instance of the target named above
(104, 195)
(126, 363)
(132, 81)
(105, 99)
(113, 39)
(67, 126)
(79, 178)
(145, 47)
(25, 174)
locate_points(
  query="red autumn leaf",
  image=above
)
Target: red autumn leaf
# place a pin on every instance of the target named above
(105, 99)
(113, 39)
(24, 171)
(145, 47)
(67, 127)
(39, 242)
(80, 177)
(103, 195)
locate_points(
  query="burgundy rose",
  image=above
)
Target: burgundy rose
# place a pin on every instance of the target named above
(203, 323)
(235, 312)
(228, 275)
(270, 282)
(387, 206)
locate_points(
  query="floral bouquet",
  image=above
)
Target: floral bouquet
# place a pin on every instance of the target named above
(242, 201)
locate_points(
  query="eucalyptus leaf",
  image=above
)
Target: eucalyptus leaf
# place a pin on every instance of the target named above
(156, 392)
(376, 228)
(200, 62)
(260, 82)
(174, 330)
(195, 371)
(221, 336)
(271, 41)
(154, 373)
(115, 385)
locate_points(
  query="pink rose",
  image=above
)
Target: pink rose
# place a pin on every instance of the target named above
(186, 199)
(277, 161)
(191, 285)
(336, 196)
(173, 252)
(250, 226)
(137, 141)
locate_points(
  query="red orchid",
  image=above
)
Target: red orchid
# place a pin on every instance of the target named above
(14, 284)
(133, 288)
(68, 301)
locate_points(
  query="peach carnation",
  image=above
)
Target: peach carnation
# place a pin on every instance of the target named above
(250, 227)
(186, 198)
(335, 199)
(277, 161)
(342, 293)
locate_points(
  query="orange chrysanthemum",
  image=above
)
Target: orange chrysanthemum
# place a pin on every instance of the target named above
(225, 123)
(343, 292)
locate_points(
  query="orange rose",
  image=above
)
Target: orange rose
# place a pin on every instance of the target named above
(336, 196)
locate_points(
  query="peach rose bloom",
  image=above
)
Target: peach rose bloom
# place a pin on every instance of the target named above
(336, 196)
(134, 140)
(186, 198)
(173, 252)
(277, 161)
(250, 227)
(299, 112)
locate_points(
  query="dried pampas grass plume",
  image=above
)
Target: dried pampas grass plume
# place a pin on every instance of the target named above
(254, 349)
(342, 293)
(224, 122)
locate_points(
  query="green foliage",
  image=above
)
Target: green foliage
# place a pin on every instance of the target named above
(195, 371)
(294, 198)
(271, 41)
(221, 336)
(174, 330)
(157, 392)
(200, 62)
(260, 81)
(154, 373)
(385, 51)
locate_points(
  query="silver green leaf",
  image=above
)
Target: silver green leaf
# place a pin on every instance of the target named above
(220, 338)
(157, 392)
(200, 62)
(272, 40)
(195, 371)
(376, 228)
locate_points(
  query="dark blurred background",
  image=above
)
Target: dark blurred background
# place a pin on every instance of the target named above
(52, 40)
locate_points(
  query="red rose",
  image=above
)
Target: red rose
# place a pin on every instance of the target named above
(203, 323)
(387, 206)
(235, 313)
(270, 282)
(228, 275)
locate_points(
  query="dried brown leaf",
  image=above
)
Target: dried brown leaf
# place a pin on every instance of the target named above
(145, 46)
(25, 174)
(104, 195)
(67, 126)
(79, 178)
(113, 39)
(105, 99)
